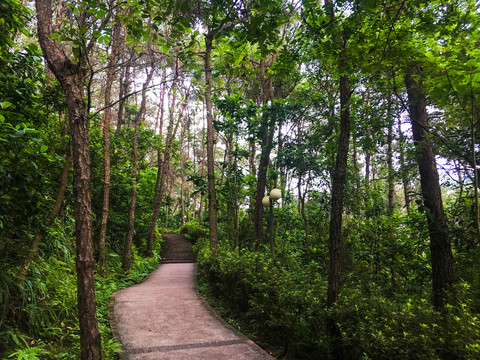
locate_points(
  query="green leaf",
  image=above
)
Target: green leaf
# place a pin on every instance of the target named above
(472, 63)
(165, 49)
(43, 148)
(6, 104)
(240, 58)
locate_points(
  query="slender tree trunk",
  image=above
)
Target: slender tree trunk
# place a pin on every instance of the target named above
(127, 255)
(339, 178)
(107, 122)
(301, 198)
(440, 247)
(70, 76)
(182, 178)
(202, 172)
(161, 171)
(268, 129)
(212, 198)
(267, 145)
(51, 218)
(403, 167)
(391, 173)
(336, 241)
(124, 87)
(458, 170)
(476, 212)
(368, 163)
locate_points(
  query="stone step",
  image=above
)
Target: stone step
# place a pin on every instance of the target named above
(176, 249)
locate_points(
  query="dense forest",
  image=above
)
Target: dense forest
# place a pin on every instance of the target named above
(122, 120)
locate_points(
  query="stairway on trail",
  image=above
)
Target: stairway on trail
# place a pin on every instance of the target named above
(176, 248)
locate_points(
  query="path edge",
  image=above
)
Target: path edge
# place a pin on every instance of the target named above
(122, 355)
(237, 332)
(111, 315)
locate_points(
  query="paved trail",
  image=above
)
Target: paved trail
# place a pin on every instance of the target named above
(164, 318)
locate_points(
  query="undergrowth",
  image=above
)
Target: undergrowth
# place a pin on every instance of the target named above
(42, 314)
(281, 304)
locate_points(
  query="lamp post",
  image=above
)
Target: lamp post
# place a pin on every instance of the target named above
(268, 201)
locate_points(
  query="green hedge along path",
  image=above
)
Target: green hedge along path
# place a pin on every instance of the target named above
(165, 318)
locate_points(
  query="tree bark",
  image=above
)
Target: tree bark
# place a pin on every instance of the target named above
(212, 198)
(70, 75)
(336, 241)
(127, 255)
(440, 246)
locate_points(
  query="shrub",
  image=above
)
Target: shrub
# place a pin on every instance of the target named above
(193, 231)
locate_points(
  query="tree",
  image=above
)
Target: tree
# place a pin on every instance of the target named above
(71, 75)
(106, 123)
(440, 247)
(127, 255)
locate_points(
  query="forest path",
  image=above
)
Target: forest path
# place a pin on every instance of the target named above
(165, 318)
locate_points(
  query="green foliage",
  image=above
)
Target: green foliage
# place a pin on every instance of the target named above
(29, 353)
(273, 302)
(374, 327)
(283, 304)
(49, 318)
(193, 231)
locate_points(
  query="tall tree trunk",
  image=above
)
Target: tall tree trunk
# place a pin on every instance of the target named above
(440, 247)
(301, 198)
(476, 212)
(127, 255)
(403, 167)
(162, 167)
(336, 241)
(70, 75)
(391, 173)
(202, 171)
(212, 198)
(107, 122)
(182, 177)
(266, 146)
(124, 88)
(51, 217)
(268, 129)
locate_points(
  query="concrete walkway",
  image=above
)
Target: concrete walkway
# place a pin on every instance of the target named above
(164, 318)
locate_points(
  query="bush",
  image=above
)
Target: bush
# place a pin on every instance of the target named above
(193, 231)
(271, 302)
(282, 305)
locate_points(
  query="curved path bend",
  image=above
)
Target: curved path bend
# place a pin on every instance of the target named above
(165, 318)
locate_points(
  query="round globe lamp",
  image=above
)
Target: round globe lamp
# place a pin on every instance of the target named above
(266, 201)
(275, 194)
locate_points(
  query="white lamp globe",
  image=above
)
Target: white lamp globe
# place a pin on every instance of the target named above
(266, 201)
(275, 194)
